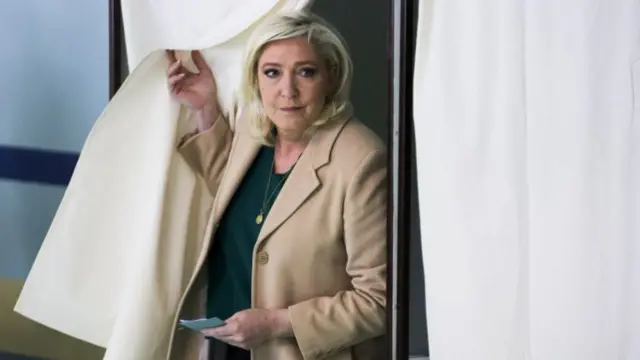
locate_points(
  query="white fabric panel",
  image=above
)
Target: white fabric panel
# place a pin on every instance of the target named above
(111, 270)
(150, 26)
(528, 116)
(190, 24)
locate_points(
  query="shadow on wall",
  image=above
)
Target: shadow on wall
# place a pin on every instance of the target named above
(365, 27)
(21, 336)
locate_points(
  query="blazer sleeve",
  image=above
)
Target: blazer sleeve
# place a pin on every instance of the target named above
(326, 325)
(207, 152)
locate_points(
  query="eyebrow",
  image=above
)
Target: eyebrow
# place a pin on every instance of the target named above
(299, 63)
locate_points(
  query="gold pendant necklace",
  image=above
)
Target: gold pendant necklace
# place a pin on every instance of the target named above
(266, 200)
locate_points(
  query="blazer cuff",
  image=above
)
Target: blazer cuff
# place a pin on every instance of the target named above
(201, 149)
(310, 346)
(218, 129)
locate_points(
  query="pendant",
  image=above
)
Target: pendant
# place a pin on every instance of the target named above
(259, 218)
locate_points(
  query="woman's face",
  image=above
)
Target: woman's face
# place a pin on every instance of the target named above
(293, 84)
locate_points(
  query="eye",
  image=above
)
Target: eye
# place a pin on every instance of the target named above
(271, 73)
(308, 72)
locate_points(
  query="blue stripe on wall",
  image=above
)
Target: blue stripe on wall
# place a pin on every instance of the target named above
(38, 166)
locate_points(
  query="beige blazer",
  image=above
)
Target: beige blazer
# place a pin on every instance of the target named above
(321, 252)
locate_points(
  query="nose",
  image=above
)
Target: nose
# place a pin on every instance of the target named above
(288, 87)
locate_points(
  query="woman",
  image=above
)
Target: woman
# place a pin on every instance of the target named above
(297, 259)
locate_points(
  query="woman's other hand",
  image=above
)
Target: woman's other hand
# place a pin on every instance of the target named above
(248, 329)
(195, 90)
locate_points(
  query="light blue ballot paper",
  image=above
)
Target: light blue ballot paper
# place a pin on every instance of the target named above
(200, 324)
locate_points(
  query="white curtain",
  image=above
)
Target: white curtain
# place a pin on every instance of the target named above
(191, 24)
(218, 28)
(111, 270)
(528, 116)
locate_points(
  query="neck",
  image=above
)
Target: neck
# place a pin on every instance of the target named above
(286, 147)
(287, 153)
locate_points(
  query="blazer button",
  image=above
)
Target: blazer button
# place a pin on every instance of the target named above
(263, 257)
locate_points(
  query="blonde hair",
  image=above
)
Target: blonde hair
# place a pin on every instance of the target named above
(330, 47)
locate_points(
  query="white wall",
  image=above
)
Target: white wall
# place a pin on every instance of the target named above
(54, 85)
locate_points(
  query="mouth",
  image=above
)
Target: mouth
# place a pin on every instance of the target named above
(292, 108)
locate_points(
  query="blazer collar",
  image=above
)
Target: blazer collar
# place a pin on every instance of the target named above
(303, 180)
(300, 185)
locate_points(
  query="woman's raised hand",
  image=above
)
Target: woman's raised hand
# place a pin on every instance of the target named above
(194, 90)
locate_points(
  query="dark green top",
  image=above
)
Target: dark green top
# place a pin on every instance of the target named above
(230, 257)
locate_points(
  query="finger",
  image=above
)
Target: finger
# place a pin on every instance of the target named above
(177, 89)
(170, 55)
(174, 68)
(200, 62)
(176, 86)
(212, 334)
(209, 333)
(173, 80)
(224, 331)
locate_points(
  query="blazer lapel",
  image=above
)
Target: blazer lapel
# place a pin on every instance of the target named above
(300, 185)
(303, 180)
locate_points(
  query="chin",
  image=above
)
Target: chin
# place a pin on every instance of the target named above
(290, 123)
(291, 127)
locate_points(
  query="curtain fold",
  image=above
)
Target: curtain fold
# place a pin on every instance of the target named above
(119, 254)
(528, 118)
